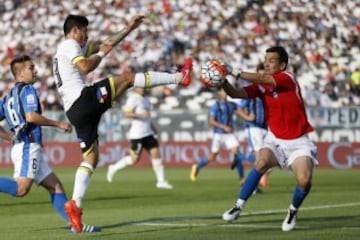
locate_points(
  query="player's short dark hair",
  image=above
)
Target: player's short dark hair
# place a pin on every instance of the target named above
(72, 21)
(16, 60)
(283, 56)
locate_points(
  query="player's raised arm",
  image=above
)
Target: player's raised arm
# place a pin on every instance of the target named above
(102, 49)
(234, 92)
(257, 78)
(95, 46)
(36, 118)
(118, 37)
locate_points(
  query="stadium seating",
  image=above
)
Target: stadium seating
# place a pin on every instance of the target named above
(323, 56)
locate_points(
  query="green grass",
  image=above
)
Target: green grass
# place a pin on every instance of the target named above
(132, 208)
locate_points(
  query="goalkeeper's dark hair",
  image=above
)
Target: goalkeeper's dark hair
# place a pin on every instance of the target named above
(72, 21)
(283, 56)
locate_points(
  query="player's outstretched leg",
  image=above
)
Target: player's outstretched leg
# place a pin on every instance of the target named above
(152, 79)
(186, 72)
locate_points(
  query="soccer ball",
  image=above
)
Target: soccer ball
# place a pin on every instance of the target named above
(212, 73)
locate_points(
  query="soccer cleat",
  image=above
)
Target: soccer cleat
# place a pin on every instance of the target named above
(74, 213)
(232, 214)
(193, 173)
(290, 220)
(87, 229)
(164, 185)
(110, 173)
(186, 72)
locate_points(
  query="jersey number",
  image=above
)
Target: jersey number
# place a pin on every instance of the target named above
(56, 70)
(12, 112)
(34, 164)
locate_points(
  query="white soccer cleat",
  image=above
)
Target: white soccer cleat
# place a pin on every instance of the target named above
(289, 222)
(110, 173)
(164, 185)
(232, 214)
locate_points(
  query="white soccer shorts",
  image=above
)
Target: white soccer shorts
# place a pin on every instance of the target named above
(256, 136)
(29, 162)
(226, 140)
(286, 151)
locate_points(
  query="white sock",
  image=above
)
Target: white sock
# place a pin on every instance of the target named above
(240, 203)
(82, 180)
(152, 79)
(122, 163)
(159, 169)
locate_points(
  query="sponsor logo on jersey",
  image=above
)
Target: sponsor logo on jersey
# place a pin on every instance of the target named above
(30, 99)
(275, 94)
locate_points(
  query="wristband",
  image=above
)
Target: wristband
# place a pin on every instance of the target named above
(237, 73)
(223, 82)
(101, 54)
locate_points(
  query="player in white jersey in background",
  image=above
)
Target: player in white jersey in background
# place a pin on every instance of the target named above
(85, 104)
(141, 135)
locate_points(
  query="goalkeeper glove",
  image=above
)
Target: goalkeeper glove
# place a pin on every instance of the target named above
(235, 72)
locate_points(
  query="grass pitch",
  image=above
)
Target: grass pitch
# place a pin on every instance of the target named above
(132, 208)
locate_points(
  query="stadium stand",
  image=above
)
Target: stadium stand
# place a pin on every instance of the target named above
(322, 35)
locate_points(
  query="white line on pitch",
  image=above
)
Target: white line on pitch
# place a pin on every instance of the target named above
(159, 223)
(162, 224)
(304, 208)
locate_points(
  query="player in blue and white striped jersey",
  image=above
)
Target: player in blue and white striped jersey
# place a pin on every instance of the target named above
(222, 119)
(252, 111)
(255, 125)
(22, 111)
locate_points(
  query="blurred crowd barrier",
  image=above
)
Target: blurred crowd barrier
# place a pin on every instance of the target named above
(185, 137)
(331, 125)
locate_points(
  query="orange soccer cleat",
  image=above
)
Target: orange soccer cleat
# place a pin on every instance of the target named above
(74, 213)
(186, 71)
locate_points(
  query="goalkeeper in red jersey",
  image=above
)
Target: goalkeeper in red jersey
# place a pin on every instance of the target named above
(286, 144)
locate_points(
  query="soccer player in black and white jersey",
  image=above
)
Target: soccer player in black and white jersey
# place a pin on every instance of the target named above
(85, 104)
(142, 136)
